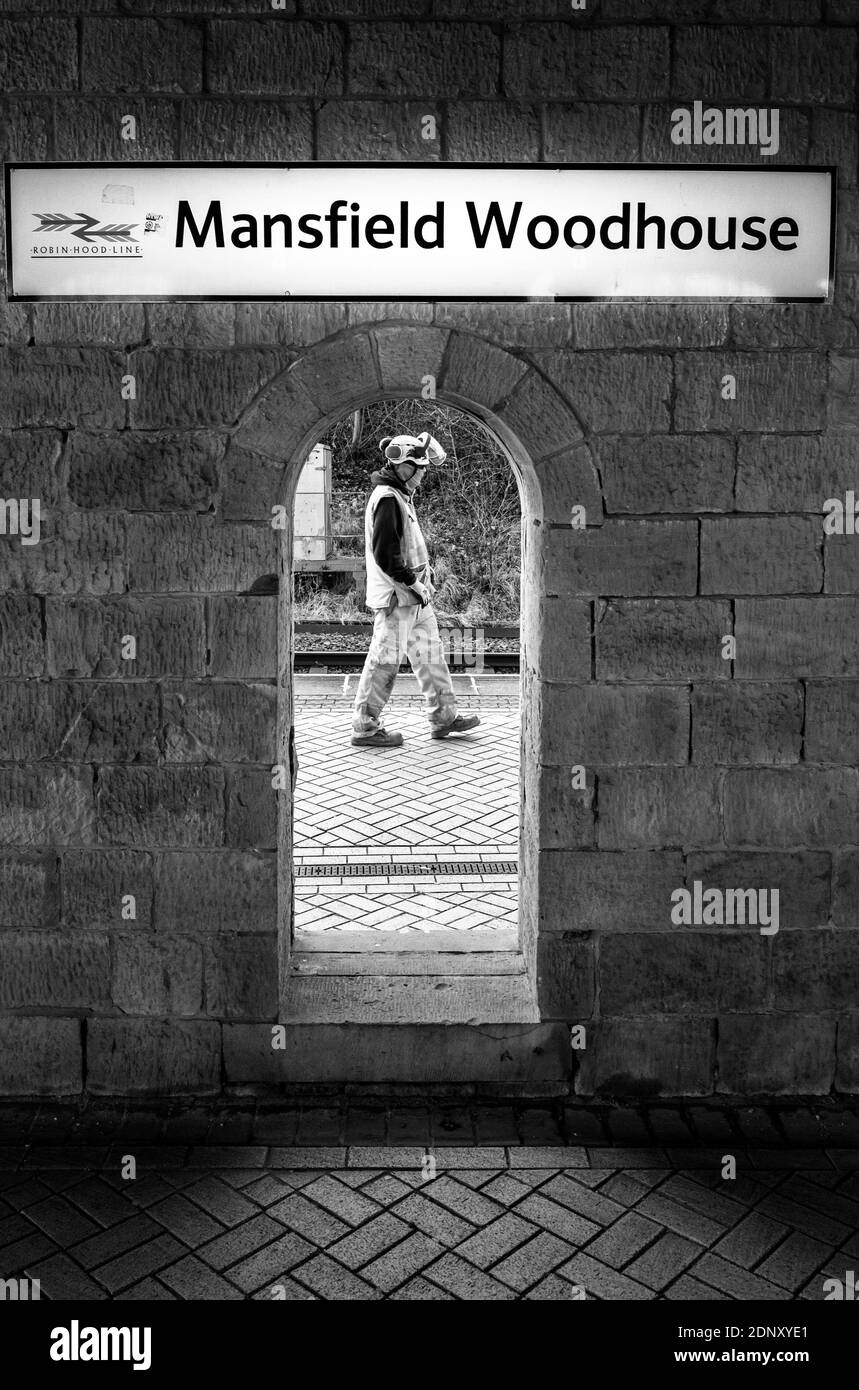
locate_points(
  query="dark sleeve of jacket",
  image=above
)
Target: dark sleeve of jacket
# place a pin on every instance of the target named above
(388, 540)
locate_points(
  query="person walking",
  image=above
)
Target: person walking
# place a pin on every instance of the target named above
(400, 590)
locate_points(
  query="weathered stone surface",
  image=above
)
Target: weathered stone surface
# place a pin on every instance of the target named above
(591, 131)
(647, 1058)
(46, 805)
(662, 639)
(622, 557)
(498, 130)
(786, 638)
(562, 631)
(614, 392)
(288, 325)
(817, 970)
(77, 553)
(196, 554)
(251, 809)
(774, 391)
(761, 555)
(771, 326)
(454, 60)
(22, 650)
(843, 404)
(565, 976)
(683, 972)
(147, 807)
(556, 814)
(116, 325)
(151, 1056)
(404, 360)
(38, 55)
(667, 473)
(539, 418)
(24, 126)
(562, 60)
(763, 1054)
(793, 473)
(620, 724)
(97, 884)
(85, 637)
(91, 128)
(132, 55)
(184, 388)
(241, 977)
(736, 723)
(645, 810)
(228, 891)
(832, 722)
(657, 146)
(78, 722)
(834, 141)
(40, 1056)
(62, 387)
(792, 807)
(269, 132)
(286, 59)
(243, 636)
(377, 130)
(53, 970)
(615, 324)
(841, 564)
(149, 473)
(29, 465)
(157, 975)
(802, 880)
(253, 485)
(719, 62)
(281, 419)
(215, 721)
(511, 325)
(568, 480)
(847, 1072)
(340, 372)
(29, 889)
(192, 325)
(476, 371)
(817, 66)
(628, 891)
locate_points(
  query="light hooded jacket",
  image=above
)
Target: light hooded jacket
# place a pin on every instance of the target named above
(394, 545)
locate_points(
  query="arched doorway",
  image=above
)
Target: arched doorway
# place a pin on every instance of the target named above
(543, 442)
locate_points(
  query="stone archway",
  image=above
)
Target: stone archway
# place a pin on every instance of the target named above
(544, 442)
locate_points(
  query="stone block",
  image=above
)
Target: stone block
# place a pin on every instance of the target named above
(774, 391)
(228, 891)
(339, 373)
(615, 724)
(241, 977)
(788, 638)
(813, 808)
(568, 480)
(157, 975)
(54, 970)
(251, 821)
(405, 359)
(46, 805)
(76, 722)
(29, 889)
(659, 808)
(815, 66)
(841, 564)
(454, 60)
(845, 889)
(91, 128)
(801, 877)
(85, 637)
(616, 324)
(192, 325)
(815, 970)
(666, 473)
(164, 472)
(600, 891)
(476, 371)
(134, 1056)
(539, 418)
(843, 409)
(847, 1070)
(22, 649)
(591, 131)
(740, 723)
(793, 473)
(146, 807)
(683, 972)
(561, 815)
(566, 61)
(38, 55)
(29, 465)
(243, 636)
(834, 141)
(24, 129)
(97, 884)
(271, 131)
(77, 553)
(662, 639)
(186, 389)
(647, 1058)
(773, 1055)
(537, 323)
(377, 130)
(133, 55)
(219, 721)
(113, 325)
(617, 392)
(253, 485)
(197, 554)
(63, 387)
(288, 325)
(622, 557)
(761, 555)
(288, 59)
(566, 976)
(832, 722)
(481, 131)
(40, 1056)
(282, 422)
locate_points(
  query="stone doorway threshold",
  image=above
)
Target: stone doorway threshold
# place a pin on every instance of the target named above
(431, 977)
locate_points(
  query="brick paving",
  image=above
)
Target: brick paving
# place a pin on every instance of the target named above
(450, 802)
(452, 1218)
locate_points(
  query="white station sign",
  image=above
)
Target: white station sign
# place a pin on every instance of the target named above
(429, 231)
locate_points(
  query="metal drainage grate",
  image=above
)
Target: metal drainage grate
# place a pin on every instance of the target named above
(452, 868)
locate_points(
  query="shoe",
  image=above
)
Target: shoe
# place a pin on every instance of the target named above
(461, 725)
(379, 739)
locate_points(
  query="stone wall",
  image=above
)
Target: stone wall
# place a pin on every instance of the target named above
(151, 777)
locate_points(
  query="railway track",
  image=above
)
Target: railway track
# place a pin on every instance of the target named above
(334, 647)
(489, 662)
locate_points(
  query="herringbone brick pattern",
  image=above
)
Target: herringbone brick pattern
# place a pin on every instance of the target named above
(260, 1224)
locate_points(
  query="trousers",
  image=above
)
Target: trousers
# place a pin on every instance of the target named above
(411, 631)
